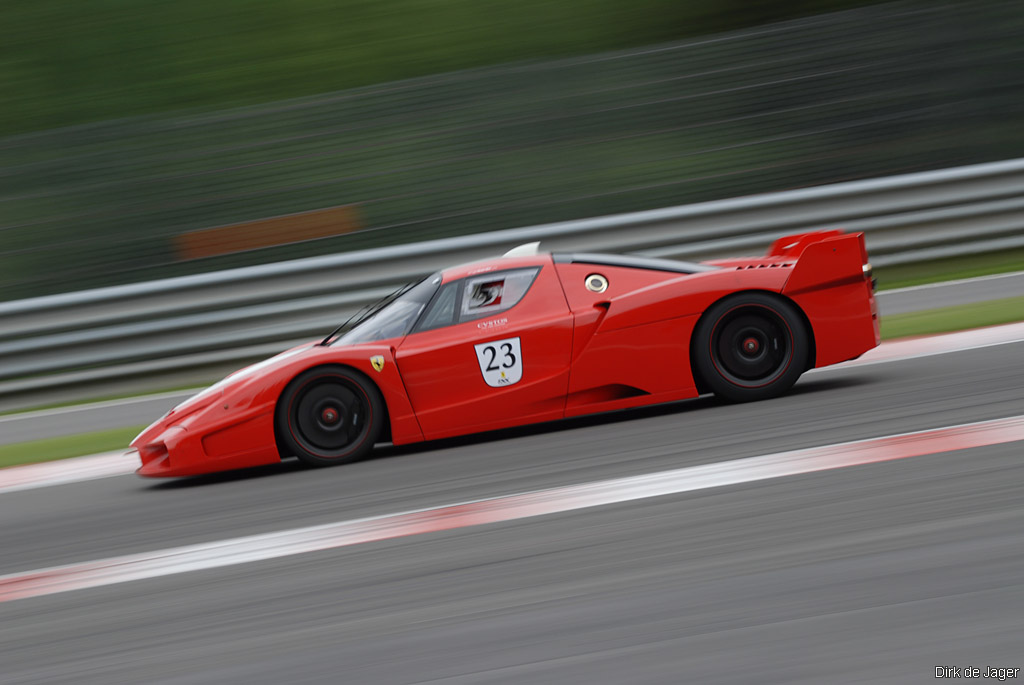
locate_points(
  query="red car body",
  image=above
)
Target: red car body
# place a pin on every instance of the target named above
(588, 333)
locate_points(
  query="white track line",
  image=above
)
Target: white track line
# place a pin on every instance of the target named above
(71, 470)
(116, 464)
(929, 345)
(286, 543)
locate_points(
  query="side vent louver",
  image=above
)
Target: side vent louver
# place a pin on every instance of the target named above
(764, 266)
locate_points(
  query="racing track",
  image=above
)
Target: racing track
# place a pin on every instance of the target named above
(871, 573)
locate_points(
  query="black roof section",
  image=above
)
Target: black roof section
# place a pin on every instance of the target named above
(631, 262)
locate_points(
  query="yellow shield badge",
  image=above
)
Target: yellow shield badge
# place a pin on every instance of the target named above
(377, 362)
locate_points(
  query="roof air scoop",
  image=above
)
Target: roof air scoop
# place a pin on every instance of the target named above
(527, 250)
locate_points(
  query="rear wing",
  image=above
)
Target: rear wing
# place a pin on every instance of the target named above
(823, 259)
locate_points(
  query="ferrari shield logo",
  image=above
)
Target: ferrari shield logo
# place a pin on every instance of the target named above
(377, 362)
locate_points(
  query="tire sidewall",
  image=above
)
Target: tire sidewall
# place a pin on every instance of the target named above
(704, 364)
(289, 445)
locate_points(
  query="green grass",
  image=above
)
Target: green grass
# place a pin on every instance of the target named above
(968, 266)
(67, 62)
(956, 318)
(67, 446)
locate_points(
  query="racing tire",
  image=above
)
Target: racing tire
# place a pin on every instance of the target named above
(329, 415)
(750, 346)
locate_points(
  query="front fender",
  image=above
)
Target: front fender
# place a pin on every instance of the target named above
(231, 424)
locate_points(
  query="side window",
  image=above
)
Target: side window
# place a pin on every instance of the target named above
(442, 310)
(492, 293)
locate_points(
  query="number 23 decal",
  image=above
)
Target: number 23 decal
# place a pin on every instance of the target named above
(501, 362)
(506, 349)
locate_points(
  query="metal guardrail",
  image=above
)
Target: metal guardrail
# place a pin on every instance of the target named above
(228, 317)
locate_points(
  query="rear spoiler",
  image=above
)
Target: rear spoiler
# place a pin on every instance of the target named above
(823, 259)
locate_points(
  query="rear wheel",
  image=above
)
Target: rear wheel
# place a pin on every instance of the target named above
(750, 346)
(329, 415)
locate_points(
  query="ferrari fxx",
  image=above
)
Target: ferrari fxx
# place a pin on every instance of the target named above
(532, 337)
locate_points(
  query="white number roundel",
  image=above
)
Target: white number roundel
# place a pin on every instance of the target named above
(501, 362)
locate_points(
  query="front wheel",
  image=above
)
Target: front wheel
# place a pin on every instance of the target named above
(329, 415)
(750, 346)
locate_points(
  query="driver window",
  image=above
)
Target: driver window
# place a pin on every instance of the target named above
(494, 292)
(442, 309)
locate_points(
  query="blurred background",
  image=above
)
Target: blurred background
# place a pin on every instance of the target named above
(187, 186)
(142, 141)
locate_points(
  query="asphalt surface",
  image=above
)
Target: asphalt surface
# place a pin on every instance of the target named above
(142, 411)
(875, 573)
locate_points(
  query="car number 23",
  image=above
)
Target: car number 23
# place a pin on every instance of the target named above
(501, 362)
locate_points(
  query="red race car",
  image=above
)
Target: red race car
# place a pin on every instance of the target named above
(532, 337)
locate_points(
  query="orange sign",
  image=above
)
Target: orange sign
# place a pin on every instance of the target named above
(278, 230)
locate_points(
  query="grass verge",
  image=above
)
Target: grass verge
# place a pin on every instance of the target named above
(956, 318)
(67, 446)
(954, 268)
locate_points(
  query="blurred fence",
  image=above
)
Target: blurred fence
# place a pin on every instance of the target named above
(881, 90)
(204, 324)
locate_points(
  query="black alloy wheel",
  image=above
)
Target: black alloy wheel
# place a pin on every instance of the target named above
(750, 346)
(329, 415)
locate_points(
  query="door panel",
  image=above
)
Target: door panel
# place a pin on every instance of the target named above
(494, 371)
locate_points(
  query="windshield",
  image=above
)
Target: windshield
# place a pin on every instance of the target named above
(396, 318)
